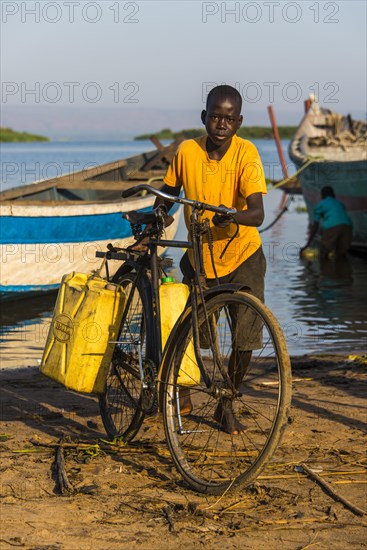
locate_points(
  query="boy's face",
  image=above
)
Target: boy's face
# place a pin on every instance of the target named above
(222, 119)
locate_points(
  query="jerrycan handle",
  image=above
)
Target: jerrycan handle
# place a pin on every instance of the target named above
(98, 272)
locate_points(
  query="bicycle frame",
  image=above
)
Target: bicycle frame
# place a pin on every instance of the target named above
(141, 265)
(224, 413)
(198, 295)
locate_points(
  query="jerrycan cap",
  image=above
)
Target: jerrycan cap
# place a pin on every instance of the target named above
(166, 280)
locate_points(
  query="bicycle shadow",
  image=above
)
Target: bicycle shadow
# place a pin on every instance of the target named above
(29, 398)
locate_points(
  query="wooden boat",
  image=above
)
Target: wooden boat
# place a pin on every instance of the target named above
(338, 146)
(56, 226)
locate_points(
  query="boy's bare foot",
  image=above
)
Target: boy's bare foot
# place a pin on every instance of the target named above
(185, 401)
(224, 414)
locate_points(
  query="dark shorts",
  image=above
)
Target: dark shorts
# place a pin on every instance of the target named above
(251, 273)
(337, 239)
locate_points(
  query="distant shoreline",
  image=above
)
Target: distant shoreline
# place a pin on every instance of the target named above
(248, 132)
(10, 135)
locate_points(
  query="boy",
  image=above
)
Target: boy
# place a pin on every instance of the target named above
(221, 168)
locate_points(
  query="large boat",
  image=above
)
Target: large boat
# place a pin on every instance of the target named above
(55, 226)
(336, 148)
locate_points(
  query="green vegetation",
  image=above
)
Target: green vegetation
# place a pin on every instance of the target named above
(166, 133)
(247, 132)
(7, 134)
(266, 132)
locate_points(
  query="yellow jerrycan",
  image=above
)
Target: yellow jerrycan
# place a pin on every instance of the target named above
(310, 253)
(173, 297)
(85, 324)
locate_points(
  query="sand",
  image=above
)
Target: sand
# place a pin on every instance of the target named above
(135, 497)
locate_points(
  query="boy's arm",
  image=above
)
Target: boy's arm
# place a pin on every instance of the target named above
(253, 216)
(175, 191)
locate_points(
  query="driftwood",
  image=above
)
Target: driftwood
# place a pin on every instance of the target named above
(328, 488)
(64, 483)
(167, 510)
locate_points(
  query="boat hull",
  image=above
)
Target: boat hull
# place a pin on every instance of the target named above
(349, 183)
(56, 226)
(39, 249)
(336, 147)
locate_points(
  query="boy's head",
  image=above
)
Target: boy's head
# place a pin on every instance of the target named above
(222, 116)
(224, 92)
(327, 191)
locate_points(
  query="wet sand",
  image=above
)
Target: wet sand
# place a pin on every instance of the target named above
(135, 497)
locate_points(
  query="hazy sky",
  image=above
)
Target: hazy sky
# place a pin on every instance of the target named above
(167, 54)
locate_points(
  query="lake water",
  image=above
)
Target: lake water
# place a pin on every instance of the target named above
(321, 308)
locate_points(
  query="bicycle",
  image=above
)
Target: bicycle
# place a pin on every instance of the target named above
(143, 377)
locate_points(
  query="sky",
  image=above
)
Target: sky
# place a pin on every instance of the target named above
(166, 55)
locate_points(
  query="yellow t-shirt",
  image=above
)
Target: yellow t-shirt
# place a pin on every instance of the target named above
(228, 181)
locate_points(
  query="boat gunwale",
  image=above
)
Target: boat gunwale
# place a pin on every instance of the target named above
(85, 178)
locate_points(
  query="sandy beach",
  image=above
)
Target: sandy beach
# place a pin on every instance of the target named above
(133, 497)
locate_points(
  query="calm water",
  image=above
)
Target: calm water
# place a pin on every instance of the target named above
(321, 308)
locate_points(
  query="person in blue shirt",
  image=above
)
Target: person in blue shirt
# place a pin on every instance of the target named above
(336, 226)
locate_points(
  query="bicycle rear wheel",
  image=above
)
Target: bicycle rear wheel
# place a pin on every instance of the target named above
(208, 457)
(121, 403)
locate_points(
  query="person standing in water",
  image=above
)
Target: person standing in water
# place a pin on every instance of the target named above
(331, 218)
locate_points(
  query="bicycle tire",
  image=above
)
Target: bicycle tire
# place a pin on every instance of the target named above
(120, 404)
(209, 459)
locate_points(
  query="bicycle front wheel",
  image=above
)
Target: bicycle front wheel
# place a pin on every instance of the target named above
(121, 403)
(233, 421)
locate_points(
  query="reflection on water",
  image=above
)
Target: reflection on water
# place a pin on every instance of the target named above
(320, 304)
(24, 327)
(329, 300)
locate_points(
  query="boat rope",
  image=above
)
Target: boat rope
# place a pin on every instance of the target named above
(310, 160)
(154, 178)
(283, 210)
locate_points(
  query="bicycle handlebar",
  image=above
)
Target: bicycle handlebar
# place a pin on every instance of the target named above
(197, 205)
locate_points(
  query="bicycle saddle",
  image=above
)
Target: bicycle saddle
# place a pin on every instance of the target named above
(140, 217)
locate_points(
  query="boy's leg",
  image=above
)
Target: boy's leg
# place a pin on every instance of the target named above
(224, 414)
(251, 274)
(186, 269)
(247, 335)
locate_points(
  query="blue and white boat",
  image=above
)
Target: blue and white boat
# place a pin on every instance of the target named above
(54, 227)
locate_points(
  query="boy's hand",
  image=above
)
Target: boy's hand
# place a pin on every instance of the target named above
(221, 220)
(142, 246)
